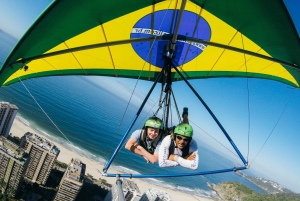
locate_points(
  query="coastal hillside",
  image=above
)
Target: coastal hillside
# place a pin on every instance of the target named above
(270, 187)
(229, 191)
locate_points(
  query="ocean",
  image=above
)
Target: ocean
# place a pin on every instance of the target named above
(90, 116)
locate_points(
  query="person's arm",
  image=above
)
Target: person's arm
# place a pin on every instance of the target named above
(132, 146)
(149, 157)
(192, 160)
(188, 163)
(163, 155)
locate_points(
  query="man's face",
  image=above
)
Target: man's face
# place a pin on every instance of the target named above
(181, 141)
(152, 133)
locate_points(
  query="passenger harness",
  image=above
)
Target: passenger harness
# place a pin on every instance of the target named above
(150, 146)
(185, 150)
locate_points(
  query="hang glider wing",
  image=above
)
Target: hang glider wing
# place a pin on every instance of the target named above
(123, 38)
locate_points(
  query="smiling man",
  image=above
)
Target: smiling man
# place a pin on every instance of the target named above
(179, 148)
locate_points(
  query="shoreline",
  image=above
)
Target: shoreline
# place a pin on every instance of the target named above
(94, 168)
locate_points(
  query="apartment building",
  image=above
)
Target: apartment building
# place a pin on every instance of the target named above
(72, 181)
(8, 113)
(42, 156)
(153, 194)
(14, 162)
(130, 190)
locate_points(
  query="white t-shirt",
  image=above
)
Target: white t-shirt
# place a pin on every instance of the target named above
(163, 155)
(136, 135)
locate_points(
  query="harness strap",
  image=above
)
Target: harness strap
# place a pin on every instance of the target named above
(185, 150)
(143, 138)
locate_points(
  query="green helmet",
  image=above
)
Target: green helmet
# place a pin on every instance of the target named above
(184, 129)
(154, 122)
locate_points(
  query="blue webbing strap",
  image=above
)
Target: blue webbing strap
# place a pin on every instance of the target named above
(214, 117)
(132, 123)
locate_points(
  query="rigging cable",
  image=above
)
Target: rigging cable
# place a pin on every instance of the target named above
(214, 138)
(143, 120)
(181, 69)
(214, 117)
(53, 121)
(274, 127)
(248, 98)
(193, 35)
(178, 113)
(247, 80)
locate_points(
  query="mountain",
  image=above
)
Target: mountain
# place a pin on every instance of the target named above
(236, 191)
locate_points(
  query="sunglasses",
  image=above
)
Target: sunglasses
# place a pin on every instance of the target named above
(181, 138)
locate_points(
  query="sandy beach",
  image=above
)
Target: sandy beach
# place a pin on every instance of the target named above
(92, 167)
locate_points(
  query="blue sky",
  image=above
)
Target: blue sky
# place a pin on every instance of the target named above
(274, 107)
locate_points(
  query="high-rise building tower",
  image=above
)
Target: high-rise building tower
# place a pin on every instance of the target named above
(72, 181)
(42, 156)
(153, 194)
(13, 163)
(130, 190)
(8, 113)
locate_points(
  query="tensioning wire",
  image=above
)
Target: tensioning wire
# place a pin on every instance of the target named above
(53, 121)
(273, 127)
(247, 81)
